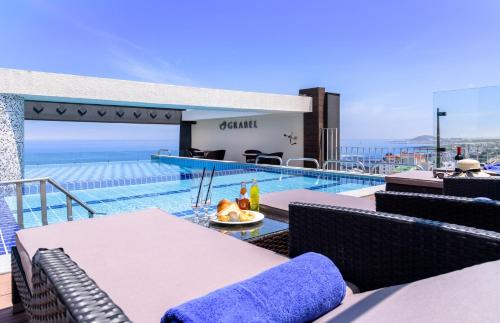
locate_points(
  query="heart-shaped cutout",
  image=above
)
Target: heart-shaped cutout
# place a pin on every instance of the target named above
(153, 115)
(38, 110)
(61, 110)
(120, 113)
(137, 115)
(101, 113)
(168, 115)
(82, 112)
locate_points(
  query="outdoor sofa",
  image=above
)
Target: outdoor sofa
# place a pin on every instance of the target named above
(471, 212)
(472, 187)
(136, 266)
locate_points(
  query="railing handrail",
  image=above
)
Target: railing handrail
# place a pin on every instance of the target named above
(72, 196)
(24, 180)
(339, 161)
(270, 157)
(314, 160)
(43, 198)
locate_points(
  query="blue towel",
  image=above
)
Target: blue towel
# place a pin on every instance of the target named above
(493, 168)
(299, 290)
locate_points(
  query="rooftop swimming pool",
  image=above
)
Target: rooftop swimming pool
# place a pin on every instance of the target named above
(116, 187)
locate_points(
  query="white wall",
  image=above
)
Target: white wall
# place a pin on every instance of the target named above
(267, 137)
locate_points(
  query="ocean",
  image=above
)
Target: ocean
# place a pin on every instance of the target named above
(65, 151)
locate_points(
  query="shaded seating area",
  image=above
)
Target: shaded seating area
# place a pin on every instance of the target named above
(251, 155)
(270, 160)
(392, 259)
(215, 154)
(210, 154)
(195, 153)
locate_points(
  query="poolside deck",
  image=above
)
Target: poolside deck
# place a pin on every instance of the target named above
(6, 315)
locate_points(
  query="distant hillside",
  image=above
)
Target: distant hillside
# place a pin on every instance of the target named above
(423, 138)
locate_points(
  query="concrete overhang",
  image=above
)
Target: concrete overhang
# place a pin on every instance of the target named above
(66, 88)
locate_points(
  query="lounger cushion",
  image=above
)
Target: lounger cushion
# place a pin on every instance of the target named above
(149, 261)
(468, 295)
(415, 178)
(279, 201)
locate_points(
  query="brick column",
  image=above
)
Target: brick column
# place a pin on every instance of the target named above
(11, 137)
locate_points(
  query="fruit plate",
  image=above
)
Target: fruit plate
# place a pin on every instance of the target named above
(257, 216)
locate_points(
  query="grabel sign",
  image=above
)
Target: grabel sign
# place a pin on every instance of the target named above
(238, 124)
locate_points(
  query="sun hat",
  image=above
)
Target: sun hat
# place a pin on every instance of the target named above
(469, 168)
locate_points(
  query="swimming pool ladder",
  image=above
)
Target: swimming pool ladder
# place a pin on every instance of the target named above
(313, 160)
(163, 149)
(360, 167)
(43, 199)
(269, 157)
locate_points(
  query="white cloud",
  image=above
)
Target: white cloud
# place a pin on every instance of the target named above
(145, 67)
(124, 55)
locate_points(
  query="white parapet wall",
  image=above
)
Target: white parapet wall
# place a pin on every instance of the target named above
(11, 137)
(263, 132)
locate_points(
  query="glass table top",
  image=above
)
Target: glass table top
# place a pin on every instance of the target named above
(245, 232)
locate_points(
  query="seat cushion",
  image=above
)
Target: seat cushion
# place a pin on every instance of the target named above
(468, 295)
(417, 178)
(149, 261)
(279, 201)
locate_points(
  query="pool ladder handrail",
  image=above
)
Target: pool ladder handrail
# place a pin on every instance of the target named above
(313, 160)
(163, 149)
(418, 167)
(43, 198)
(269, 157)
(361, 167)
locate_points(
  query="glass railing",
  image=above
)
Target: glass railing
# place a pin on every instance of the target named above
(472, 121)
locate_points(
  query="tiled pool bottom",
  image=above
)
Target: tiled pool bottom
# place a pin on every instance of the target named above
(172, 196)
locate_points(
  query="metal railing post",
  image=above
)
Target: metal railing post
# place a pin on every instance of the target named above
(69, 208)
(43, 198)
(20, 210)
(43, 201)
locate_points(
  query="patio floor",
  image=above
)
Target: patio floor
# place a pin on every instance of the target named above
(6, 315)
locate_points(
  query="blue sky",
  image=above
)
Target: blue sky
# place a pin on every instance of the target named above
(384, 57)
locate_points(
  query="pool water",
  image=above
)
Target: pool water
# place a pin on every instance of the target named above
(117, 187)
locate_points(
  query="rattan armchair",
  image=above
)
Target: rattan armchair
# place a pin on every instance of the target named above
(450, 209)
(375, 250)
(62, 291)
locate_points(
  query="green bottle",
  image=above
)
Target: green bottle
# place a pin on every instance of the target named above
(254, 196)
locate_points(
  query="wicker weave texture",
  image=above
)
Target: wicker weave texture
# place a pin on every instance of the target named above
(472, 187)
(449, 209)
(63, 291)
(374, 250)
(412, 188)
(277, 242)
(21, 296)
